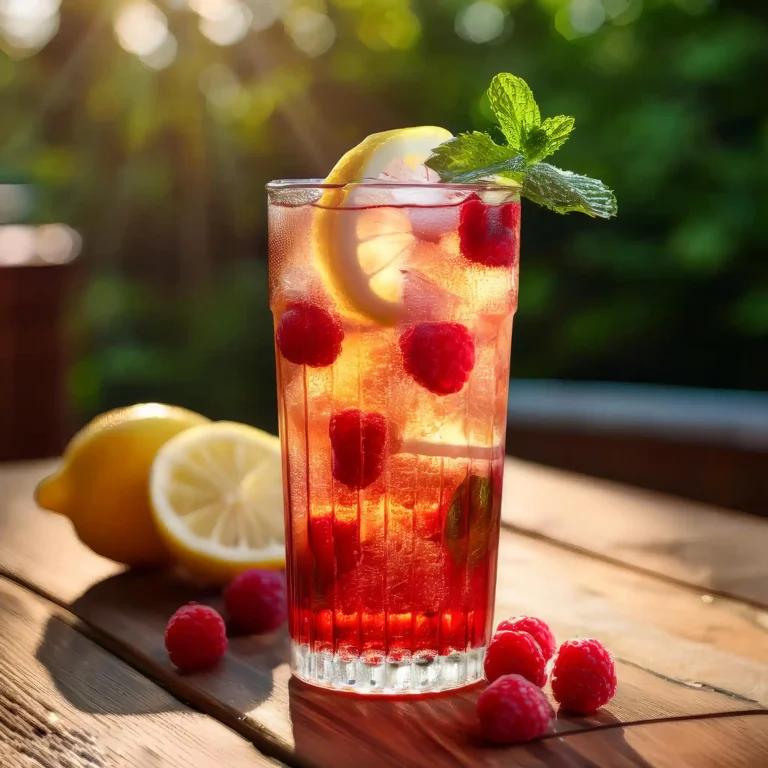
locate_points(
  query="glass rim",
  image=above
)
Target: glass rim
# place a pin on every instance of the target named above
(281, 184)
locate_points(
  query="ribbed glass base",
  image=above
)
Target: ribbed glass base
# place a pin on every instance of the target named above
(381, 677)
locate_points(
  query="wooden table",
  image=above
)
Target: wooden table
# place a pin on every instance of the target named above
(678, 591)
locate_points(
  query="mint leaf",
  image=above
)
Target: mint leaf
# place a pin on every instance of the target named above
(541, 142)
(534, 145)
(469, 520)
(563, 191)
(513, 105)
(557, 129)
(508, 172)
(473, 156)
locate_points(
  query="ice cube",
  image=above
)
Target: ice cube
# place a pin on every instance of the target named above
(431, 224)
(425, 299)
(298, 284)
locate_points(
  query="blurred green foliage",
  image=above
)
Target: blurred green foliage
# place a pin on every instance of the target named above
(156, 141)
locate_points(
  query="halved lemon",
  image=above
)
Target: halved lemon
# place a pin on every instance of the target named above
(361, 242)
(217, 498)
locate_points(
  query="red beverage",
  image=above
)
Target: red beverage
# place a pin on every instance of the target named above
(393, 307)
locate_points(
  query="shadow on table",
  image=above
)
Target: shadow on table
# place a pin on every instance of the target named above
(601, 747)
(428, 732)
(352, 730)
(127, 615)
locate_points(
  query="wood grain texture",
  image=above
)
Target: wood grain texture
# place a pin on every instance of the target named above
(679, 656)
(658, 625)
(444, 733)
(251, 690)
(67, 703)
(727, 742)
(719, 550)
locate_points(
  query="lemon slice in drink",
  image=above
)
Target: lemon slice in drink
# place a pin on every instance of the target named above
(217, 498)
(361, 250)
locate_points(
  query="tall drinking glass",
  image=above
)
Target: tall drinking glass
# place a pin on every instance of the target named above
(393, 307)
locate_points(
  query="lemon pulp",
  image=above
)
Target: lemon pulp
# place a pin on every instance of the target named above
(217, 498)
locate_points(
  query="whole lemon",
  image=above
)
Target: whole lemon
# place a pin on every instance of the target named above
(102, 485)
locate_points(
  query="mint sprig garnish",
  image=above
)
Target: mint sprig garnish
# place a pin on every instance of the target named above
(474, 156)
(471, 157)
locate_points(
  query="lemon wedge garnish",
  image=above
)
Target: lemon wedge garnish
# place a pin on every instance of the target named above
(217, 496)
(361, 247)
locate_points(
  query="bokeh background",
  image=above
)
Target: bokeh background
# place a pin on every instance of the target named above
(136, 137)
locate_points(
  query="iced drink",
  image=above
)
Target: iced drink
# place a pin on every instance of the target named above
(393, 307)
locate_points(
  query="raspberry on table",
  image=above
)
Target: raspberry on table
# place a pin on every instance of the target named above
(512, 709)
(309, 335)
(515, 653)
(196, 637)
(489, 234)
(584, 676)
(536, 628)
(439, 356)
(256, 601)
(359, 442)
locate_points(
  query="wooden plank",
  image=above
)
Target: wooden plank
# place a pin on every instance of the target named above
(723, 417)
(675, 650)
(30, 537)
(725, 742)
(33, 359)
(254, 681)
(719, 550)
(702, 444)
(445, 732)
(724, 476)
(70, 703)
(648, 622)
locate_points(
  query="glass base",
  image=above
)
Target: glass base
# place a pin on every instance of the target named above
(373, 676)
